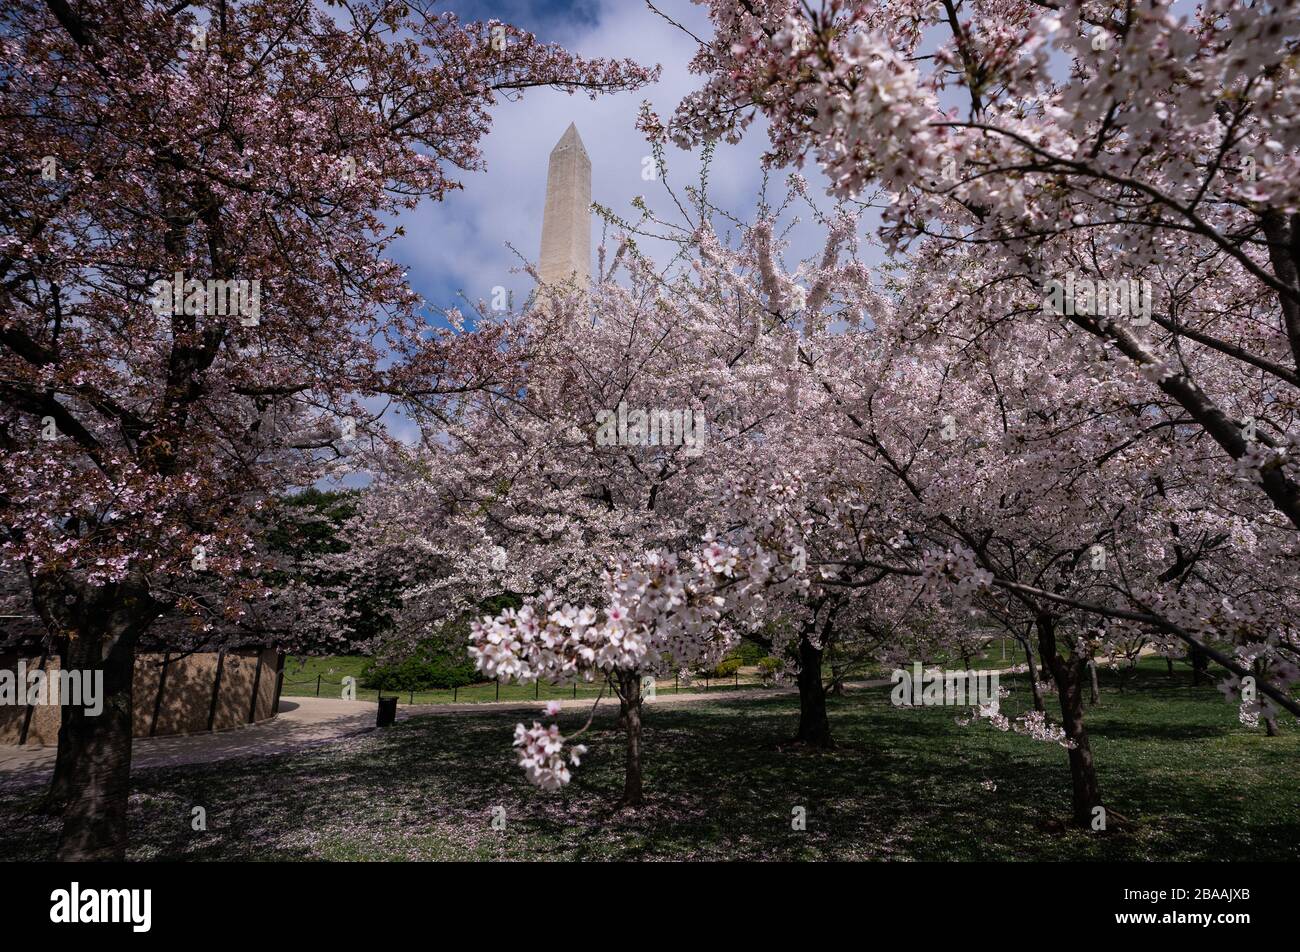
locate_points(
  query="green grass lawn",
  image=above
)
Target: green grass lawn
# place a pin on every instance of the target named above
(997, 654)
(905, 784)
(301, 673)
(323, 676)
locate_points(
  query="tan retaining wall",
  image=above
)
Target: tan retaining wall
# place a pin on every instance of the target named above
(173, 694)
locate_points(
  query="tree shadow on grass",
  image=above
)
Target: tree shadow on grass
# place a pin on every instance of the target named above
(1118, 730)
(721, 784)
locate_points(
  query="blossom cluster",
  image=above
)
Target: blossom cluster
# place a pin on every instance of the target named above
(542, 755)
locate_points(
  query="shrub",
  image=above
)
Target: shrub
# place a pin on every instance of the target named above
(439, 661)
(748, 652)
(426, 669)
(725, 668)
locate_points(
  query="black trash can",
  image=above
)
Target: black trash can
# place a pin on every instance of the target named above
(387, 711)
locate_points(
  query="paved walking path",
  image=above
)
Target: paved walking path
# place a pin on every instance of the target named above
(304, 722)
(301, 722)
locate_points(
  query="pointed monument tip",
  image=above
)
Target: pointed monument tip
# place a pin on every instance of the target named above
(570, 136)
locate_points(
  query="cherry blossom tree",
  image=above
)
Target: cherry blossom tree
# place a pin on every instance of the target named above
(537, 486)
(1167, 143)
(1085, 514)
(949, 465)
(596, 450)
(159, 158)
(659, 613)
(1019, 147)
(1037, 488)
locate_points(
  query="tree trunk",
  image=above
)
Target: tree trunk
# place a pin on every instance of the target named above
(1200, 666)
(630, 694)
(1068, 675)
(1169, 666)
(1095, 694)
(1033, 679)
(814, 725)
(97, 763)
(60, 789)
(96, 630)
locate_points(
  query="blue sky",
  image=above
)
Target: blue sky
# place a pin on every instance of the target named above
(459, 244)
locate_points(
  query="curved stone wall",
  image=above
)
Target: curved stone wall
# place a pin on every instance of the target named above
(173, 694)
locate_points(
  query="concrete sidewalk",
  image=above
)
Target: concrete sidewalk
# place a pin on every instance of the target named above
(301, 722)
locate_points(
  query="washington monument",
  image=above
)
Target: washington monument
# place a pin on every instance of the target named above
(566, 222)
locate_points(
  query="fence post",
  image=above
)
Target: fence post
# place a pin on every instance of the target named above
(318, 685)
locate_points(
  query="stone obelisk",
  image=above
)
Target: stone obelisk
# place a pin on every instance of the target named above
(566, 222)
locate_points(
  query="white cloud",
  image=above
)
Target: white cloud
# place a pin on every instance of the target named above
(460, 243)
